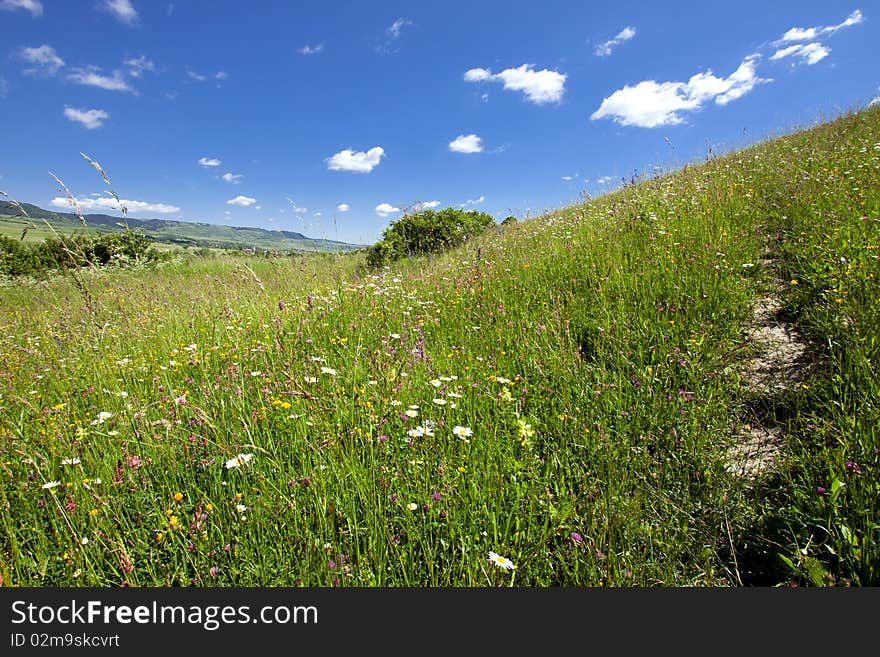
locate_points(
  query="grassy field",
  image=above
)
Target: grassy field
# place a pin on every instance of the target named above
(563, 392)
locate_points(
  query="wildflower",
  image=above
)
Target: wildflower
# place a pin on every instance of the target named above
(439, 402)
(73, 461)
(256, 373)
(794, 281)
(241, 508)
(311, 379)
(395, 336)
(51, 484)
(411, 412)
(463, 432)
(501, 562)
(577, 538)
(103, 416)
(213, 571)
(412, 506)
(416, 432)
(436, 383)
(502, 380)
(328, 370)
(238, 461)
(178, 496)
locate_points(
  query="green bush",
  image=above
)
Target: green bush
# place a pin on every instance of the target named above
(427, 231)
(120, 249)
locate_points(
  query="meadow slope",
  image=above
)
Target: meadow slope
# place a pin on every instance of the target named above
(564, 392)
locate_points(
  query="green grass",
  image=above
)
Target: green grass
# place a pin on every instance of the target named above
(594, 353)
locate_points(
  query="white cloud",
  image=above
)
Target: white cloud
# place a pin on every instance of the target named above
(91, 76)
(874, 102)
(122, 10)
(44, 59)
(33, 6)
(606, 48)
(567, 178)
(604, 180)
(243, 201)
(811, 33)
(394, 30)
(466, 144)
(90, 119)
(311, 50)
(343, 207)
(209, 162)
(221, 75)
(476, 201)
(385, 209)
(810, 53)
(427, 205)
(105, 204)
(195, 76)
(137, 66)
(540, 87)
(357, 161)
(650, 104)
(233, 178)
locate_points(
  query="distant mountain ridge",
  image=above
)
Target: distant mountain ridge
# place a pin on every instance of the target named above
(186, 232)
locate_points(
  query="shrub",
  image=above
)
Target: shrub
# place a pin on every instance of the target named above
(427, 231)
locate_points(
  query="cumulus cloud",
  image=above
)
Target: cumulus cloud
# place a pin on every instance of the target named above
(89, 119)
(476, 201)
(810, 53)
(91, 76)
(426, 205)
(105, 204)
(122, 10)
(540, 87)
(242, 201)
(311, 50)
(810, 33)
(651, 104)
(43, 60)
(343, 207)
(606, 48)
(137, 65)
(33, 6)
(209, 162)
(357, 161)
(466, 144)
(233, 178)
(385, 209)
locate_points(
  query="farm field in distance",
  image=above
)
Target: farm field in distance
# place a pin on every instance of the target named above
(575, 394)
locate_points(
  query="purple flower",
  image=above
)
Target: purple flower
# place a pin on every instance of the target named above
(853, 467)
(213, 571)
(577, 538)
(821, 490)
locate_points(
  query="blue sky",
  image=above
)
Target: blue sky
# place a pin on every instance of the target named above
(332, 118)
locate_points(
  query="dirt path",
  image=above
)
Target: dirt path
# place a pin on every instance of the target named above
(779, 363)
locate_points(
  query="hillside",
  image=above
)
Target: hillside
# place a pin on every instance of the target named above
(172, 232)
(674, 384)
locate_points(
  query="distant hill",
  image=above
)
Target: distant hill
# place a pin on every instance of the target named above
(178, 232)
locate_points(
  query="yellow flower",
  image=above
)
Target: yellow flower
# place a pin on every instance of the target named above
(178, 496)
(794, 281)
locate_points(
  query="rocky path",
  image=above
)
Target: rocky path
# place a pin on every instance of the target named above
(779, 364)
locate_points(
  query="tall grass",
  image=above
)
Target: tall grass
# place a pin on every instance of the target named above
(594, 354)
